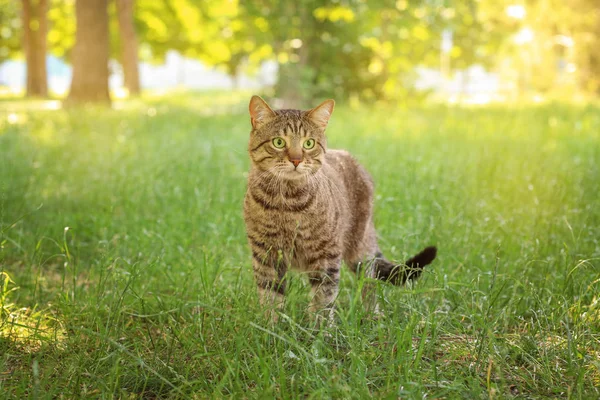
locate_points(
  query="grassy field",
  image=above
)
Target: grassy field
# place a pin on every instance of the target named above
(126, 273)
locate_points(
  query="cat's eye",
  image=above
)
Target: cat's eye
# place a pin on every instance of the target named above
(279, 143)
(309, 144)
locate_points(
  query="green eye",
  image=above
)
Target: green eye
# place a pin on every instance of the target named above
(279, 143)
(309, 144)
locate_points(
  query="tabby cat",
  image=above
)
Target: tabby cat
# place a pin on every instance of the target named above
(310, 208)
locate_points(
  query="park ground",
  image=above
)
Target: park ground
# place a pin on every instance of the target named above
(126, 273)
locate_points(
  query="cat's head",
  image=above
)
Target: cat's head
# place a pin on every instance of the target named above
(288, 143)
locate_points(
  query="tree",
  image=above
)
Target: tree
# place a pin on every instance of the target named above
(35, 27)
(354, 48)
(572, 29)
(90, 54)
(129, 46)
(556, 51)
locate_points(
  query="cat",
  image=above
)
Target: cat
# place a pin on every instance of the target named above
(309, 208)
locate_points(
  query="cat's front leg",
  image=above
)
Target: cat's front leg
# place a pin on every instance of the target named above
(324, 278)
(269, 272)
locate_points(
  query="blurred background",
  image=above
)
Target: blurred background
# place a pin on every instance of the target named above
(457, 51)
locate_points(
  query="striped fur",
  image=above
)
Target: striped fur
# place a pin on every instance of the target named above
(312, 216)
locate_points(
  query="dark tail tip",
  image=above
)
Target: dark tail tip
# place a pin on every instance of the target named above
(414, 266)
(422, 259)
(410, 270)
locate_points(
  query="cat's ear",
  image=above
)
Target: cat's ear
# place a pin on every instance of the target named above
(260, 112)
(320, 114)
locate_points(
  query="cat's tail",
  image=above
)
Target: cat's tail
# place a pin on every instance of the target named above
(398, 274)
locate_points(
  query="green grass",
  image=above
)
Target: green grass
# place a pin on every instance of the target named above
(149, 292)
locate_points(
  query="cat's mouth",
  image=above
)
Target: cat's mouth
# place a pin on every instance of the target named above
(296, 173)
(291, 172)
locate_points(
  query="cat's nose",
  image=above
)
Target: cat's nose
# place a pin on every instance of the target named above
(296, 161)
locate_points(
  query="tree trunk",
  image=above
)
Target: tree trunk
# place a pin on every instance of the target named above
(129, 46)
(90, 54)
(35, 27)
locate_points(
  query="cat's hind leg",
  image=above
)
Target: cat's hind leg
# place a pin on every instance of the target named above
(362, 260)
(366, 268)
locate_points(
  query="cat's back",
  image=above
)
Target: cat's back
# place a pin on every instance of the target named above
(349, 170)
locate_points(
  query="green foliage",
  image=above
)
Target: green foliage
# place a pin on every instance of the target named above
(354, 49)
(61, 24)
(161, 29)
(10, 30)
(152, 290)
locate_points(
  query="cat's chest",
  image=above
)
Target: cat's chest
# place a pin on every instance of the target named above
(287, 231)
(301, 226)
(292, 223)
(298, 236)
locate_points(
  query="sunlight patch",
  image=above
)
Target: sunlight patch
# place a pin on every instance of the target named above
(27, 327)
